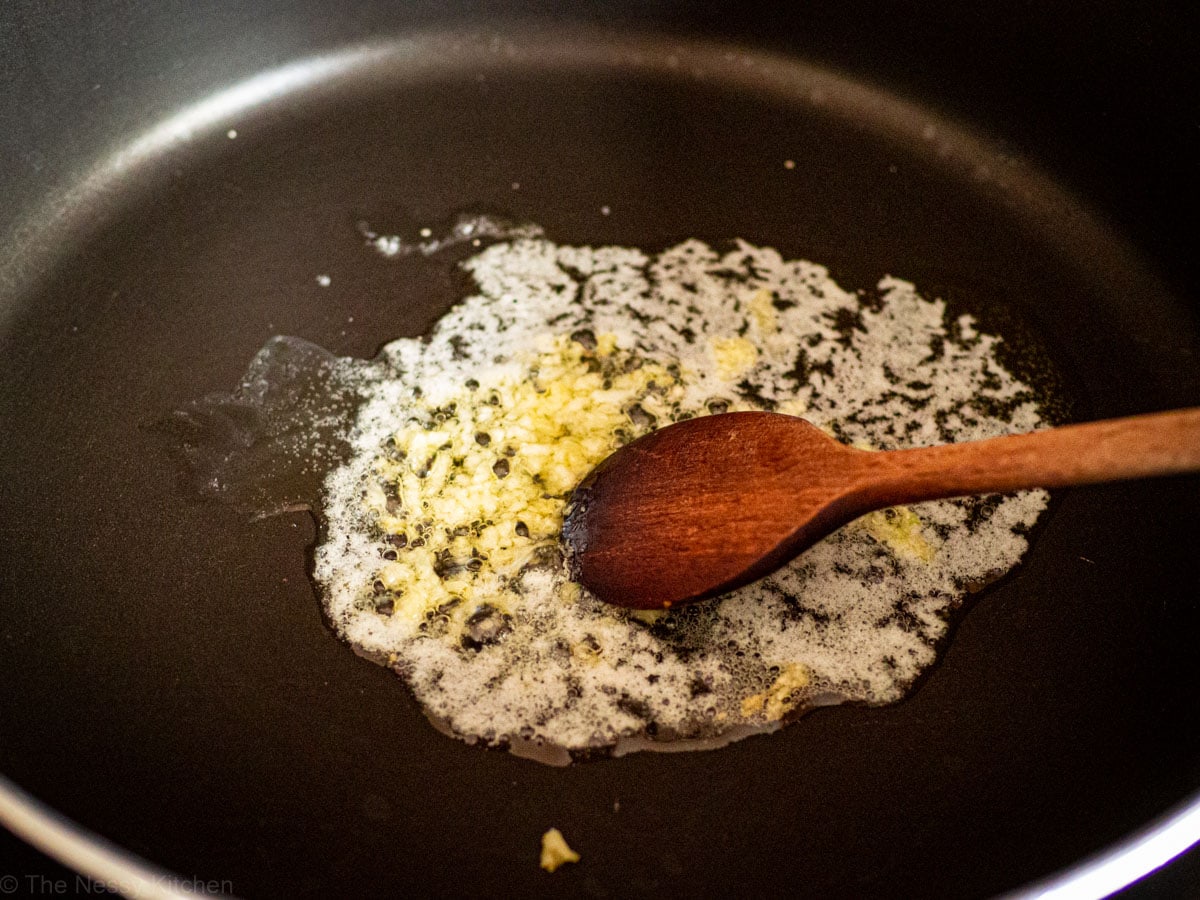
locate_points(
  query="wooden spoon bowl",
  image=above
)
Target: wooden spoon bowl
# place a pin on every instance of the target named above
(709, 504)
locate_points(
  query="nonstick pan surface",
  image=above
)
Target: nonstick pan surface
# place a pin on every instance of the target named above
(169, 682)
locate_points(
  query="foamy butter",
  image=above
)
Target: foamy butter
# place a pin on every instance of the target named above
(442, 560)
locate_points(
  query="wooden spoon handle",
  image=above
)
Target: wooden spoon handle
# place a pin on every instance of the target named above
(1135, 447)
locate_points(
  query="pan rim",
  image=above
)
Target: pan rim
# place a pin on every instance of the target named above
(87, 853)
(1119, 865)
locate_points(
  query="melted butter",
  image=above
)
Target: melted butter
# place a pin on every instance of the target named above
(443, 556)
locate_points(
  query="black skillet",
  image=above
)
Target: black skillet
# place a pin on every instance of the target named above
(167, 679)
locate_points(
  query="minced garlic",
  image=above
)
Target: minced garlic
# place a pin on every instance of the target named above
(899, 529)
(734, 356)
(555, 851)
(472, 490)
(781, 696)
(762, 312)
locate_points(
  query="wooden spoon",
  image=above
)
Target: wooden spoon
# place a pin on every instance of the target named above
(709, 504)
